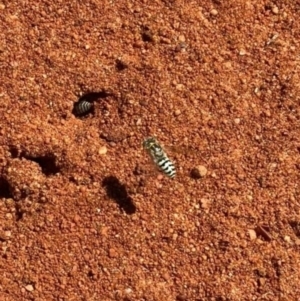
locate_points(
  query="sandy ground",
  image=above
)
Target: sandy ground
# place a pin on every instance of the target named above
(85, 215)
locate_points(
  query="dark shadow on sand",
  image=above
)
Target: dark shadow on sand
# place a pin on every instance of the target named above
(117, 191)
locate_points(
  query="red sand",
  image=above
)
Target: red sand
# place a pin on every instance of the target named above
(83, 214)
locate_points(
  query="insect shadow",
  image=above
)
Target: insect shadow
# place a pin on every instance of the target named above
(85, 104)
(117, 191)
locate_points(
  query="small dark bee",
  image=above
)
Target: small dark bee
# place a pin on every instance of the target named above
(82, 107)
(159, 157)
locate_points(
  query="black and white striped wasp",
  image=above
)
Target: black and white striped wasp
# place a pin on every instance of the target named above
(159, 157)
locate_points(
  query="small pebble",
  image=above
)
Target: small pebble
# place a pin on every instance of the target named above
(214, 12)
(102, 150)
(202, 170)
(9, 216)
(242, 52)
(249, 197)
(261, 281)
(228, 65)
(179, 87)
(7, 233)
(160, 177)
(181, 38)
(29, 288)
(113, 253)
(252, 234)
(128, 290)
(205, 203)
(275, 10)
(237, 120)
(177, 112)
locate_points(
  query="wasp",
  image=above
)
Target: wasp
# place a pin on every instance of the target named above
(159, 157)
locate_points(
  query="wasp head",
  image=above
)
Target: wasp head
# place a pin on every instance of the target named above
(149, 143)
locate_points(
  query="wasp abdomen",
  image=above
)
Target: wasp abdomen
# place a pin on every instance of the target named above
(167, 166)
(82, 107)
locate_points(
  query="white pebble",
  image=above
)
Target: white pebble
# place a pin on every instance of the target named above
(202, 170)
(29, 288)
(237, 120)
(102, 150)
(214, 12)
